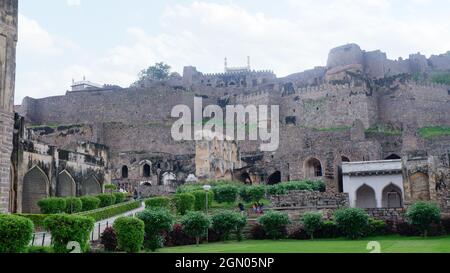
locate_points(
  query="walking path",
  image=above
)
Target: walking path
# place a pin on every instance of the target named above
(45, 238)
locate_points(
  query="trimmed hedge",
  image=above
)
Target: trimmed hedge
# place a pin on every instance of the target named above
(89, 203)
(15, 233)
(73, 205)
(106, 200)
(37, 219)
(156, 222)
(274, 224)
(120, 197)
(200, 199)
(226, 193)
(226, 222)
(158, 202)
(108, 212)
(184, 202)
(252, 193)
(130, 234)
(52, 205)
(69, 228)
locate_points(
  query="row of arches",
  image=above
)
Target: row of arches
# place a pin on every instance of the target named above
(392, 197)
(146, 171)
(36, 186)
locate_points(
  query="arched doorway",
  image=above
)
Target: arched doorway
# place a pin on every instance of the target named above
(245, 178)
(420, 187)
(365, 197)
(146, 170)
(393, 157)
(392, 197)
(218, 173)
(125, 172)
(313, 168)
(35, 187)
(91, 186)
(65, 186)
(275, 178)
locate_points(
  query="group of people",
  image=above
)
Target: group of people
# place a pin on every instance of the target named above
(257, 208)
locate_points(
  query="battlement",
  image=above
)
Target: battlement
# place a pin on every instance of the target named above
(231, 73)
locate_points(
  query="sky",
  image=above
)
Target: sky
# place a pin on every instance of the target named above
(110, 41)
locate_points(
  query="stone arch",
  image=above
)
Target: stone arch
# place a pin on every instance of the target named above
(218, 173)
(365, 197)
(274, 178)
(313, 168)
(420, 187)
(35, 187)
(392, 197)
(245, 178)
(228, 175)
(65, 185)
(345, 159)
(146, 170)
(393, 157)
(91, 186)
(124, 173)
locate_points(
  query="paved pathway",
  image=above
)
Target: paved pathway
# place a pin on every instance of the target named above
(45, 238)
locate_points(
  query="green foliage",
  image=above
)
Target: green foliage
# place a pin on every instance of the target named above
(108, 212)
(90, 203)
(40, 250)
(241, 223)
(312, 221)
(376, 228)
(106, 200)
(441, 78)
(156, 222)
(286, 187)
(225, 193)
(15, 233)
(73, 205)
(52, 205)
(226, 222)
(130, 234)
(196, 224)
(69, 228)
(110, 187)
(200, 199)
(158, 202)
(384, 129)
(352, 222)
(422, 215)
(434, 131)
(184, 202)
(37, 219)
(252, 193)
(157, 72)
(274, 224)
(120, 197)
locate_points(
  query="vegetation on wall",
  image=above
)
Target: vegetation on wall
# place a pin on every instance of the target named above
(434, 131)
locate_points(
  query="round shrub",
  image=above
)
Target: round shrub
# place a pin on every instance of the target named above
(130, 234)
(184, 202)
(73, 205)
(352, 222)
(200, 199)
(53, 205)
(69, 228)
(156, 222)
(109, 239)
(226, 222)
(120, 197)
(196, 224)
(15, 233)
(158, 202)
(226, 193)
(252, 193)
(312, 222)
(89, 203)
(106, 200)
(422, 215)
(274, 224)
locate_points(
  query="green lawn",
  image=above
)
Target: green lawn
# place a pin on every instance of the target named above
(389, 244)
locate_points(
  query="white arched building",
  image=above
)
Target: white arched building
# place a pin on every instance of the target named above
(374, 184)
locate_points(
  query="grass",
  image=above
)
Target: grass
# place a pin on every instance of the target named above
(434, 131)
(383, 129)
(389, 244)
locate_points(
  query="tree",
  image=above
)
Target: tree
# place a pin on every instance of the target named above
(352, 222)
(312, 221)
(158, 72)
(422, 215)
(196, 224)
(156, 222)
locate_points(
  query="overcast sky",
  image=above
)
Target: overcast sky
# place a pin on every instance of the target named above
(110, 41)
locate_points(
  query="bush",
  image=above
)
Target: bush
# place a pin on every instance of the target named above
(177, 237)
(52, 205)
(446, 225)
(328, 230)
(89, 203)
(406, 229)
(226, 193)
(226, 222)
(69, 228)
(200, 199)
(422, 215)
(130, 234)
(156, 222)
(376, 228)
(106, 200)
(241, 223)
(37, 219)
(352, 222)
(15, 233)
(40, 250)
(184, 202)
(120, 197)
(312, 221)
(111, 187)
(108, 212)
(196, 224)
(158, 202)
(274, 224)
(298, 233)
(73, 205)
(286, 187)
(257, 232)
(252, 193)
(109, 239)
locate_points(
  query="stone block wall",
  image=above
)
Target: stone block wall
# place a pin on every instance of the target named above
(396, 215)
